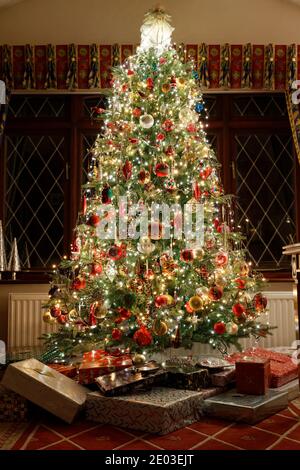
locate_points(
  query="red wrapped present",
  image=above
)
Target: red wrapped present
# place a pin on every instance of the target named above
(252, 375)
(67, 370)
(283, 369)
(89, 371)
(101, 354)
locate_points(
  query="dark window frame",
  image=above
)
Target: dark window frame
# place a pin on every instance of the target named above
(223, 123)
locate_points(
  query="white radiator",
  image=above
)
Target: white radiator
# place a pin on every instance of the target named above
(25, 322)
(281, 313)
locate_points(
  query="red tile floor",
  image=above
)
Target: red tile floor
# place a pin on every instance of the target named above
(279, 432)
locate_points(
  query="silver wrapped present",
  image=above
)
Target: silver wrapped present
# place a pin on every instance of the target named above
(160, 410)
(246, 408)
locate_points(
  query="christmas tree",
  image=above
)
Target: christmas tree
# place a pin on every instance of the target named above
(156, 260)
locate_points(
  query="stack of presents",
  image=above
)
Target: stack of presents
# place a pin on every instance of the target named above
(110, 387)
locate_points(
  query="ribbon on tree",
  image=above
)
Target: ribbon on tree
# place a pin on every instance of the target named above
(247, 66)
(225, 67)
(94, 77)
(71, 80)
(269, 67)
(51, 81)
(203, 66)
(28, 80)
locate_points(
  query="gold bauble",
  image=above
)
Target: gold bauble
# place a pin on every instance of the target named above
(47, 317)
(166, 87)
(160, 328)
(73, 315)
(100, 311)
(180, 82)
(170, 299)
(199, 253)
(220, 279)
(196, 303)
(232, 328)
(244, 269)
(138, 359)
(130, 151)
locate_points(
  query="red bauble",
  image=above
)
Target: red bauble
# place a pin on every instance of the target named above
(55, 312)
(160, 137)
(187, 255)
(238, 310)
(162, 60)
(260, 302)
(191, 127)
(142, 336)
(215, 293)
(96, 269)
(162, 170)
(94, 220)
(116, 334)
(130, 72)
(78, 283)
(137, 112)
(221, 259)
(127, 170)
(124, 87)
(62, 319)
(219, 328)
(168, 125)
(161, 301)
(115, 252)
(150, 83)
(240, 283)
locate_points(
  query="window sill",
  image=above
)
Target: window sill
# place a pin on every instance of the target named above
(25, 277)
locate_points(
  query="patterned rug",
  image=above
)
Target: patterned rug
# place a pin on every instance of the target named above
(10, 433)
(279, 432)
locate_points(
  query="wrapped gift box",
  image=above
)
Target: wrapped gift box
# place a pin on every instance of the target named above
(212, 392)
(89, 371)
(13, 407)
(67, 370)
(160, 410)
(283, 370)
(46, 388)
(252, 375)
(108, 357)
(292, 389)
(246, 408)
(223, 377)
(100, 362)
(188, 379)
(185, 373)
(119, 383)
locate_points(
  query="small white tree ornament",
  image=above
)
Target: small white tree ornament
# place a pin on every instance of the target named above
(156, 30)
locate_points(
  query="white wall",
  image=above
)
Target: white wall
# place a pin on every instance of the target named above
(211, 21)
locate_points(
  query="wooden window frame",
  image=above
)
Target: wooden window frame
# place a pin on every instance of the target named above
(75, 125)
